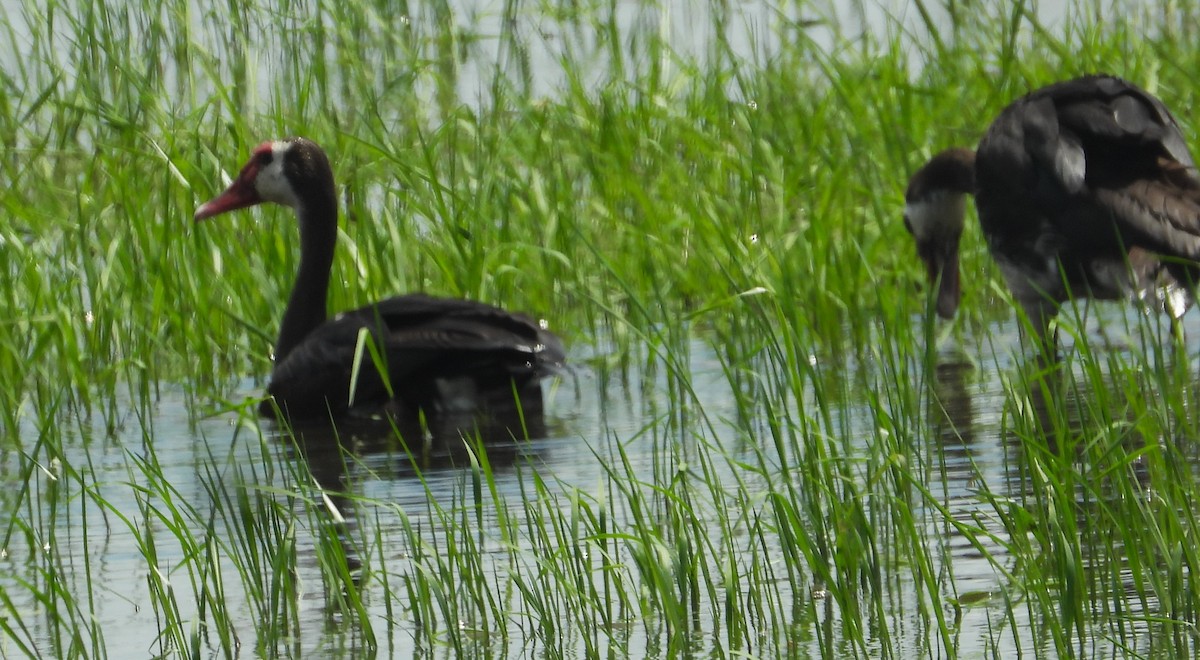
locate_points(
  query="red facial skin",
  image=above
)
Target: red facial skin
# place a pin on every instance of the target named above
(241, 193)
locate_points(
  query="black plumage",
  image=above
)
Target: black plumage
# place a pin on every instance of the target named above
(397, 356)
(1084, 188)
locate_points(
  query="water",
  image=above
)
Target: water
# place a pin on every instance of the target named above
(188, 455)
(95, 512)
(543, 38)
(968, 451)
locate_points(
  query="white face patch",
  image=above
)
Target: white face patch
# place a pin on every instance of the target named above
(940, 215)
(271, 182)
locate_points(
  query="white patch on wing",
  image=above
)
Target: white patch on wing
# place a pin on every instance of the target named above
(1166, 296)
(1070, 165)
(1108, 279)
(1175, 300)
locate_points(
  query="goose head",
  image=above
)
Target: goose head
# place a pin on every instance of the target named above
(289, 172)
(934, 211)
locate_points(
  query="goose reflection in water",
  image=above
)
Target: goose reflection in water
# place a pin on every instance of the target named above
(411, 467)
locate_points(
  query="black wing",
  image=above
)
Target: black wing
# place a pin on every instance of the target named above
(1086, 152)
(421, 340)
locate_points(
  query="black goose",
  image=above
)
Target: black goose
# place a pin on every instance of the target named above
(1084, 188)
(440, 354)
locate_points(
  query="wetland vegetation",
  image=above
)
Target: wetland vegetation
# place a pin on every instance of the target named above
(766, 446)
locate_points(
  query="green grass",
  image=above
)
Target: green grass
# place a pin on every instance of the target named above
(774, 451)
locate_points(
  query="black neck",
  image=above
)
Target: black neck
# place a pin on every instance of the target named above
(306, 308)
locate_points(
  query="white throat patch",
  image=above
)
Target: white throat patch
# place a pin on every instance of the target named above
(940, 215)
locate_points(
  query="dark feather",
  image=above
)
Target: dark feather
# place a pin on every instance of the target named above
(397, 356)
(424, 342)
(1085, 188)
(1093, 165)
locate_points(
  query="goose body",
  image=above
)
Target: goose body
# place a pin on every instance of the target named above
(438, 354)
(1084, 188)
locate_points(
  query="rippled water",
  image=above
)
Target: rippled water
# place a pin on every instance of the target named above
(752, 33)
(96, 543)
(969, 452)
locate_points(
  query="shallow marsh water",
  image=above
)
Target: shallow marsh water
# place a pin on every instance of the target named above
(967, 453)
(148, 526)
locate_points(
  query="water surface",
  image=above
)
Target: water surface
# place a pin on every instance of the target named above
(384, 494)
(108, 511)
